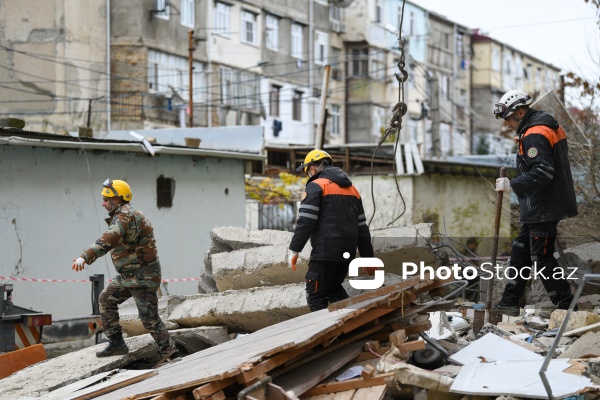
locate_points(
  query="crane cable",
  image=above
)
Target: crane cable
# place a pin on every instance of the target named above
(395, 123)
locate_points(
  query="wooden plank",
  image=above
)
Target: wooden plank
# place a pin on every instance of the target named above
(227, 358)
(367, 355)
(113, 382)
(302, 379)
(359, 383)
(212, 387)
(370, 393)
(217, 396)
(368, 371)
(398, 337)
(417, 158)
(410, 169)
(412, 346)
(374, 294)
(578, 331)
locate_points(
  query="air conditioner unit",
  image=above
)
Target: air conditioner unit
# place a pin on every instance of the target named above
(338, 26)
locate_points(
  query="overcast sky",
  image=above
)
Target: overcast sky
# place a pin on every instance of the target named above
(564, 33)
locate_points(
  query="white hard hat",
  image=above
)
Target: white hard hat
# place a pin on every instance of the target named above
(510, 102)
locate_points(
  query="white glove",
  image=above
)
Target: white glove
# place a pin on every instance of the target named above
(292, 259)
(78, 264)
(503, 185)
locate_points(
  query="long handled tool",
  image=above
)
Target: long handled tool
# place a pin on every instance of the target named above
(490, 288)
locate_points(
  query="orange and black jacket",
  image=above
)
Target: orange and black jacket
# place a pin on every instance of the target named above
(544, 185)
(331, 214)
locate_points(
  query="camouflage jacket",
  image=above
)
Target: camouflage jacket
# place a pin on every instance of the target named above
(130, 240)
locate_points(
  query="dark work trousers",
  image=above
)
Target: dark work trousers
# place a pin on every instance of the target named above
(324, 283)
(146, 301)
(535, 243)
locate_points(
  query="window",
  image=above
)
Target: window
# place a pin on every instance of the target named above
(335, 119)
(495, 60)
(227, 83)
(359, 61)
(222, 18)
(297, 41)
(162, 9)
(444, 86)
(187, 13)
(274, 100)
(321, 48)
(249, 28)
(272, 32)
(247, 95)
(297, 106)
(538, 78)
(167, 72)
(336, 64)
(463, 97)
(378, 69)
(165, 191)
(460, 39)
(379, 11)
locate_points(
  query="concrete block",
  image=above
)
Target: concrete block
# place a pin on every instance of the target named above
(267, 265)
(200, 338)
(130, 320)
(259, 266)
(236, 238)
(242, 310)
(578, 319)
(399, 244)
(585, 345)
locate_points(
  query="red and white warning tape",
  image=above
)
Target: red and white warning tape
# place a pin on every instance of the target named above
(14, 278)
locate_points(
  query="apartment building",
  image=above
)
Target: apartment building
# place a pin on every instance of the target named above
(496, 69)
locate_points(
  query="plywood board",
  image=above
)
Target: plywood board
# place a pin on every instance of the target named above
(112, 381)
(518, 378)
(493, 348)
(231, 358)
(303, 378)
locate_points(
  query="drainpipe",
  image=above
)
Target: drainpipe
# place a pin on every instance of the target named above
(108, 67)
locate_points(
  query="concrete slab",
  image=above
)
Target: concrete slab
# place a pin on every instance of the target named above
(130, 320)
(226, 239)
(242, 310)
(200, 338)
(588, 344)
(578, 319)
(235, 238)
(69, 368)
(267, 265)
(260, 266)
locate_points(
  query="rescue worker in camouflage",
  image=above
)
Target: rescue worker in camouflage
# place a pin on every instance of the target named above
(130, 241)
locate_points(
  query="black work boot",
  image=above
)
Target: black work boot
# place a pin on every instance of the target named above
(116, 347)
(507, 309)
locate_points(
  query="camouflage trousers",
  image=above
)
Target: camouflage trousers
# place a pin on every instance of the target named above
(146, 301)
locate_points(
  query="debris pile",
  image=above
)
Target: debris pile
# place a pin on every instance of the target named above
(249, 335)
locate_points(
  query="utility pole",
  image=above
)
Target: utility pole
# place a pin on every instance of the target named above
(191, 77)
(320, 135)
(434, 104)
(89, 116)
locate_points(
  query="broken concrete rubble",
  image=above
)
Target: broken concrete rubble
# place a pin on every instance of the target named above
(242, 310)
(266, 265)
(130, 320)
(586, 345)
(578, 319)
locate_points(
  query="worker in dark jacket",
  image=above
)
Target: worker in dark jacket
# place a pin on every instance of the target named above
(331, 214)
(544, 187)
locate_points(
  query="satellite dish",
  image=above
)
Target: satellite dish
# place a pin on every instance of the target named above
(340, 3)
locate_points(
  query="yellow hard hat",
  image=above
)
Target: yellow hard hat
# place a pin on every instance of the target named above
(313, 157)
(116, 188)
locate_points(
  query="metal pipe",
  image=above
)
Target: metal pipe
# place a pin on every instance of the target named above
(563, 326)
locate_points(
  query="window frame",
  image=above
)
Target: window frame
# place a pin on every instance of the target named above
(297, 41)
(222, 19)
(275, 100)
(272, 32)
(297, 105)
(162, 5)
(321, 50)
(249, 27)
(188, 10)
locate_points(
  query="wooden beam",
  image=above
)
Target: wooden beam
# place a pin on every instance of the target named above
(374, 294)
(211, 388)
(358, 383)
